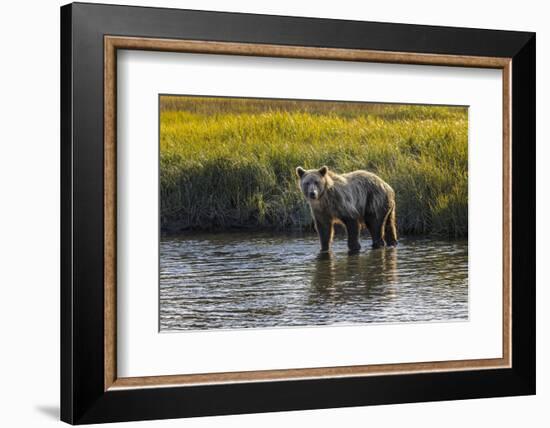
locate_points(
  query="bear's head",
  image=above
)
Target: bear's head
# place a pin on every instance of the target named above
(313, 182)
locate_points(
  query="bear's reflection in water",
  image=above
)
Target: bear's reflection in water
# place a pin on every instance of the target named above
(252, 280)
(356, 275)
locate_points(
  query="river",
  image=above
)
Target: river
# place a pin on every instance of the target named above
(258, 280)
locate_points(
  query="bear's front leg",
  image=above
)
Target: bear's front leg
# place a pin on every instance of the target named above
(353, 229)
(325, 231)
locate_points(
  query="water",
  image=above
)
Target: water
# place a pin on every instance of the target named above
(251, 280)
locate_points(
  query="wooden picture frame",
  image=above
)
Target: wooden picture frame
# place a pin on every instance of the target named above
(91, 390)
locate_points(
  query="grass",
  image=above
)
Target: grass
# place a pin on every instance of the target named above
(229, 163)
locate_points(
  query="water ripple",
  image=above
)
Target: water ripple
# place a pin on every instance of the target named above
(229, 281)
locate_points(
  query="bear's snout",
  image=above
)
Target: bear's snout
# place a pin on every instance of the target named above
(313, 194)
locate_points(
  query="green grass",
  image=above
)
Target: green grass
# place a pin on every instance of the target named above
(229, 163)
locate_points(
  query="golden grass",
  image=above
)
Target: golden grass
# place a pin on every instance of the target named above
(229, 163)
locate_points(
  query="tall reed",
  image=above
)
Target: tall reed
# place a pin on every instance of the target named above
(229, 163)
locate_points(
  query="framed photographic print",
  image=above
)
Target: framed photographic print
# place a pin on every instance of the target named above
(265, 213)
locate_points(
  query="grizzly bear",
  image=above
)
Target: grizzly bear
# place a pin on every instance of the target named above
(355, 199)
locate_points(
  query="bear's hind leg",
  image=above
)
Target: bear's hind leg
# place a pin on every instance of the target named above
(376, 229)
(391, 229)
(353, 229)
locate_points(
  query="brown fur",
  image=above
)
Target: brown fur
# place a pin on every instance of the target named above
(355, 199)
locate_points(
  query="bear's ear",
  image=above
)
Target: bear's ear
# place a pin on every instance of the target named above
(323, 170)
(300, 171)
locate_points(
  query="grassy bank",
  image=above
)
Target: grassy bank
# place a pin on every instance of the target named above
(229, 163)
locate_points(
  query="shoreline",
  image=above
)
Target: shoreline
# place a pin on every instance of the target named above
(338, 232)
